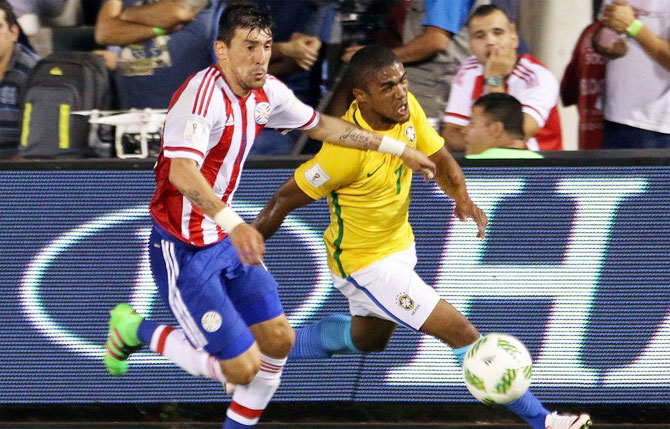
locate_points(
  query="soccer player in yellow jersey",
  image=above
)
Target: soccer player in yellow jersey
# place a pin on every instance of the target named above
(370, 242)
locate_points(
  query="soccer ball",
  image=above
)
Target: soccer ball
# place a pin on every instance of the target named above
(497, 369)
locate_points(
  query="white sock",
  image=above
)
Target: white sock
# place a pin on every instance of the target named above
(172, 344)
(249, 401)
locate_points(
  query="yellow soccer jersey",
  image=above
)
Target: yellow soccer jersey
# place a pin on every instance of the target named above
(368, 192)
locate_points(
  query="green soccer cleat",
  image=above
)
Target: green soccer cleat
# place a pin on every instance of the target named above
(122, 338)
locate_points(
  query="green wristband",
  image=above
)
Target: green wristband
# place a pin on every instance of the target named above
(634, 28)
(159, 31)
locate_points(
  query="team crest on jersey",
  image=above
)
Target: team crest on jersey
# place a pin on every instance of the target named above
(405, 302)
(262, 113)
(211, 321)
(410, 133)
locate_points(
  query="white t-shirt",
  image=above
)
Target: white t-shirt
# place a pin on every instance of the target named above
(209, 124)
(637, 88)
(530, 82)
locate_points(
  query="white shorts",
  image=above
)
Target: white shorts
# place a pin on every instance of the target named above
(390, 289)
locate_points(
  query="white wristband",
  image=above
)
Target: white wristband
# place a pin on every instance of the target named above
(391, 145)
(227, 219)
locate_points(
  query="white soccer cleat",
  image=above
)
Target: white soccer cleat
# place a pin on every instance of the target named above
(230, 387)
(567, 421)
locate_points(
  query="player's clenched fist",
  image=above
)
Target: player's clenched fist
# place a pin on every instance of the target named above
(249, 244)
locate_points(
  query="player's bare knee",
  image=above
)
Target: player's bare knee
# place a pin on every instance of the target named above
(243, 369)
(283, 341)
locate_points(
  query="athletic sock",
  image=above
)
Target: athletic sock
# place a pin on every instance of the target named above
(528, 407)
(146, 330)
(330, 335)
(173, 344)
(249, 401)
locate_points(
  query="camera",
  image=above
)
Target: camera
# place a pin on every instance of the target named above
(362, 19)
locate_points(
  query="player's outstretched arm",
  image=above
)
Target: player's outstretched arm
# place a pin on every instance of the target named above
(451, 180)
(343, 133)
(287, 198)
(186, 177)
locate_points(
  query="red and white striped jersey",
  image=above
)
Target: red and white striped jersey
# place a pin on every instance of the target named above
(208, 123)
(530, 82)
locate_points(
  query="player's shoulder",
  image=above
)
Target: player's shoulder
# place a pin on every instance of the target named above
(415, 109)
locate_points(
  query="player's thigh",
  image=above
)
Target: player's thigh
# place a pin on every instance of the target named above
(371, 334)
(190, 284)
(255, 296)
(390, 289)
(449, 325)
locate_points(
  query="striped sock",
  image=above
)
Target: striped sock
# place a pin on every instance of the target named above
(173, 344)
(330, 335)
(250, 401)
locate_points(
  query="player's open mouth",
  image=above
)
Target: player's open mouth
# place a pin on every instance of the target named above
(402, 110)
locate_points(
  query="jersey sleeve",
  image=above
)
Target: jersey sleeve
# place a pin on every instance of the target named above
(459, 106)
(449, 15)
(189, 121)
(332, 168)
(287, 111)
(541, 98)
(428, 140)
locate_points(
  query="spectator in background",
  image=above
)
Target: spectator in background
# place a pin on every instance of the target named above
(30, 13)
(434, 45)
(637, 85)
(160, 43)
(295, 51)
(582, 86)
(495, 130)
(16, 61)
(496, 67)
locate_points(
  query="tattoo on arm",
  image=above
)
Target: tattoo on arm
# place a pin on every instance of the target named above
(200, 201)
(359, 137)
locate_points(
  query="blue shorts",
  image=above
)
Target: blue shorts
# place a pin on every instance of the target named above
(211, 294)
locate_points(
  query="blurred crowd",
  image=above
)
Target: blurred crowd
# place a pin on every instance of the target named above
(454, 51)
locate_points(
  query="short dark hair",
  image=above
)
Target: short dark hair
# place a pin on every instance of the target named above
(243, 14)
(503, 108)
(368, 60)
(484, 10)
(10, 16)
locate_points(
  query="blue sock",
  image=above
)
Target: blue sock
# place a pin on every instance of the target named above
(146, 331)
(332, 334)
(232, 424)
(529, 408)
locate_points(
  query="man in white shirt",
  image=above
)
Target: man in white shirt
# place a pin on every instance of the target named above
(496, 67)
(637, 89)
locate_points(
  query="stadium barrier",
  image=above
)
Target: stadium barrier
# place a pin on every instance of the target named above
(575, 264)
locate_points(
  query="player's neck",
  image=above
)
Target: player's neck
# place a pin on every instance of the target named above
(230, 79)
(375, 121)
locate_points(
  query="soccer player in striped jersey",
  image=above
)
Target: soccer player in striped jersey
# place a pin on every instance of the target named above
(205, 259)
(370, 243)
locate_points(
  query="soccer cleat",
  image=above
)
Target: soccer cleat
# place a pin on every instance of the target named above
(567, 421)
(122, 338)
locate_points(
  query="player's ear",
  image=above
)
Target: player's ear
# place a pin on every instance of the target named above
(221, 50)
(361, 96)
(514, 35)
(497, 129)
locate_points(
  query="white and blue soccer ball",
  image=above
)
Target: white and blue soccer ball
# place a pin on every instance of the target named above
(497, 369)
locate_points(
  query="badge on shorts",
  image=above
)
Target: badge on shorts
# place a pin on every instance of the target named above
(211, 321)
(262, 113)
(405, 302)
